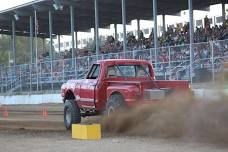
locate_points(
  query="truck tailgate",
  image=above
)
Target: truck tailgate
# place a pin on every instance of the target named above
(177, 85)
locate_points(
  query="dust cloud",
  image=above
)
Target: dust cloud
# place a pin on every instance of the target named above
(176, 117)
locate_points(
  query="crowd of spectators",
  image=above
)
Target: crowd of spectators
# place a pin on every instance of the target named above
(174, 36)
(177, 38)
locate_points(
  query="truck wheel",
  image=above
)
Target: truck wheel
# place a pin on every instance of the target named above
(115, 103)
(72, 114)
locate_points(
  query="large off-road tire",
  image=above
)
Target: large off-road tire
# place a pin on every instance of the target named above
(72, 114)
(114, 104)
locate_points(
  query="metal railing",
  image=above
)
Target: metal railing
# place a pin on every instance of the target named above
(173, 63)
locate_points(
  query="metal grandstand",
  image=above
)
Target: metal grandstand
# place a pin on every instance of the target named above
(63, 17)
(84, 13)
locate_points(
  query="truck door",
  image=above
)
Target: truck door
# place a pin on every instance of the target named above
(87, 92)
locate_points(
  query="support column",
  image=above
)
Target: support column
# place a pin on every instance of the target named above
(124, 26)
(191, 36)
(76, 42)
(115, 34)
(31, 39)
(50, 35)
(213, 59)
(97, 27)
(223, 11)
(36, 49)
(163, 23)
(13, 43)
(72, 31)
(213, 21)
(43, 39)
(138, 27)
(76, 49)
(72, 26)
(155, 30)
(59, 47)
(50, 46)
(13, 49)
(36, 45)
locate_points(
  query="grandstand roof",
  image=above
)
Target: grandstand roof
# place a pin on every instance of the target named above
(109, 13)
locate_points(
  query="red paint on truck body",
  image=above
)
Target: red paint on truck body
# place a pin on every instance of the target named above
(94, 93)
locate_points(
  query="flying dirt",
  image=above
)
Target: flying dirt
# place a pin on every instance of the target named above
(177, 117)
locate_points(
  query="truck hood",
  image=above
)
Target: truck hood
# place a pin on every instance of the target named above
(74, 81)
(69, 83)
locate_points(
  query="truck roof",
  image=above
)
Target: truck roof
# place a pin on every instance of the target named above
(125, 61)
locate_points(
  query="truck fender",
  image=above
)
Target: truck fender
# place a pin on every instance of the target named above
(69, 95)
(127, 92)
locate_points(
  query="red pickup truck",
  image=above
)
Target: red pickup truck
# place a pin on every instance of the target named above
(114, 84)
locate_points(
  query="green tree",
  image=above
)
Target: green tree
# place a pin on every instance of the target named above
(5, 49)
(23, 53)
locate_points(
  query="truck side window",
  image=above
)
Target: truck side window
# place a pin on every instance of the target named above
(142, 71)
(94, 72)
(112, 72)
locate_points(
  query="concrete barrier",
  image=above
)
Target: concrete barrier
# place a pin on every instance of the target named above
(31, 99)
(210, 94)
(206, 94)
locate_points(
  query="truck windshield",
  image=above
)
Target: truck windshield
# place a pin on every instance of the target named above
(128, 71)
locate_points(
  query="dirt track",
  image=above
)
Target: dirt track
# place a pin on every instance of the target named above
(30, 117)
(47, 141)
(26, 130)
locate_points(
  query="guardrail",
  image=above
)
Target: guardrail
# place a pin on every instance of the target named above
(173, 63)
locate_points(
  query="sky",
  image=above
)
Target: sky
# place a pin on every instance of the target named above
(5, 4)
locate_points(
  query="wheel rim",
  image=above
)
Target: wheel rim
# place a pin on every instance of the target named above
(68, 116)
(111, 110)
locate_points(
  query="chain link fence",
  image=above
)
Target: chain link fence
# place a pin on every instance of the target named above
(173, 63)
